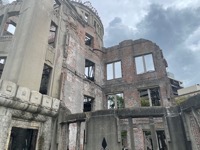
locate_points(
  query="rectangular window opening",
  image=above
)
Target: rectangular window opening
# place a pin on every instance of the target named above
(89, 40)
(124, 140)
(114, 70)
(95, 24)
(44, 86)
(2, 64)
(150, 97)
(1, 17)
(10, 25)
(98, 28)
(88, 104)
(89, 70)
(86, 17)
(23, 139)
(144, 64)
(161, 140)
(115, 101)
(148, 140)
(52, 35)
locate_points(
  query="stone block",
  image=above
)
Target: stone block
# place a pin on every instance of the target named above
(46, 101)
(36, 97)
(23, 94)
(55, 104)
(8, 88)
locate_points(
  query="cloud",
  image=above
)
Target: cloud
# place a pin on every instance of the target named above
(169, 27)
(130, 11)
(175, 30)
(117, 32)
(193, 42)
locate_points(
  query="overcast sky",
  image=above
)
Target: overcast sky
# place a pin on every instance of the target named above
(174, 25)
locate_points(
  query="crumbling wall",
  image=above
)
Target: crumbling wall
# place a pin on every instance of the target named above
(75, 84)
(131, 82)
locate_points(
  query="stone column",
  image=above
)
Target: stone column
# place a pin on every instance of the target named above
(78, 135)
(5, 119)
(130, 122)
(153, 134)
(64, 137)
(176, 130)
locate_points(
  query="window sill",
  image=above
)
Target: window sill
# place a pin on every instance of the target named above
(114, 79)
(153, 71)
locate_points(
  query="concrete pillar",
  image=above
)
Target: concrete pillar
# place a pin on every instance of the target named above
(78, 135)
(25, 62)
(153, 134)
(5, 126)
(54, 145)
(130, 122)
(64, 137)
(67, 136)
(176, 130)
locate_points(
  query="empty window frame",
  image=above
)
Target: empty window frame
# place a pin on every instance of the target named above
(124, 140)
(88, 104)
(10, 25)
(115, 101)
(148, 143)
(1, 17)
(2, 64)
(95, 24)
(114, 70)
(150, 97)
(89, 70)
(161, 139)
(46, 74)
(144, 63)
(86, 17)
(52, 34)
(89, 40)
(162, 145)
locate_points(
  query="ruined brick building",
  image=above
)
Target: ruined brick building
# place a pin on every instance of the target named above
(61, 89)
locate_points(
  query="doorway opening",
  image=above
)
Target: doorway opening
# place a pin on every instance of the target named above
(23, 139)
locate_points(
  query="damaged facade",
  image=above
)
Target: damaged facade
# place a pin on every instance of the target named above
(61, 89)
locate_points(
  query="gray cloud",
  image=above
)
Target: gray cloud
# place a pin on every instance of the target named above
(175, 30)
(171, 29)
(117, 32)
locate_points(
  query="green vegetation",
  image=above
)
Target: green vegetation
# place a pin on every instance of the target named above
(180, 100)
(144, 101)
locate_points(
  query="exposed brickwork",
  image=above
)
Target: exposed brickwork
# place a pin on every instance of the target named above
(139, 139)
(194, 129)
(131, 82)
(68, 82)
